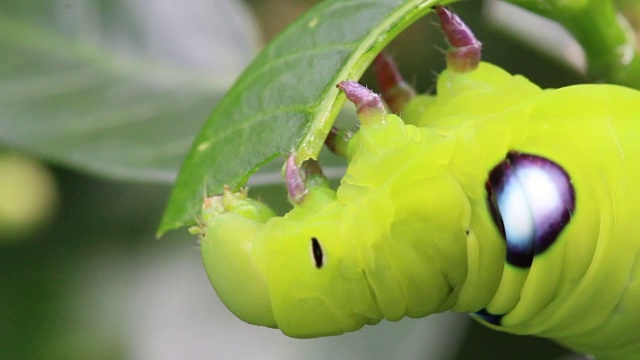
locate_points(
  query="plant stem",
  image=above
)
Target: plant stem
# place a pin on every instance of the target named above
(606, 37)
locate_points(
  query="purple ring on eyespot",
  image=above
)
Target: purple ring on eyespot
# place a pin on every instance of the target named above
(531, 200)
(488, 317)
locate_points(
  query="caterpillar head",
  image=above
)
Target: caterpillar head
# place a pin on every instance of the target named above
(293, 272)
(227, 236)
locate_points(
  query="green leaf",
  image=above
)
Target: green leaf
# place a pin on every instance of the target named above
(118, 88)
(287, 99)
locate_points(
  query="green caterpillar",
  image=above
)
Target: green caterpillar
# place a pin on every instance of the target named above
(493, 197)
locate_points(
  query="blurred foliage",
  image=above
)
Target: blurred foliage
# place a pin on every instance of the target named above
(96, 86)
(630, 9)
(28, 194)
(606, 38)
(118, 88)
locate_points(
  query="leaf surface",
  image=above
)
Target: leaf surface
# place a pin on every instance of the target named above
(287, 99)
(117, 88)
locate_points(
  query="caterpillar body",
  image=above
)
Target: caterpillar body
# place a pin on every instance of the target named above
(493, 197)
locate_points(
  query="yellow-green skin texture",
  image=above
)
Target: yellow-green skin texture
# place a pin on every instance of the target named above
(409, 233)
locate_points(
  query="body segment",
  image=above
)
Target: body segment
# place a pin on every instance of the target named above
(493, 197)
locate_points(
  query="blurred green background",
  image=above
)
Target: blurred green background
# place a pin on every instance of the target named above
(115, 91)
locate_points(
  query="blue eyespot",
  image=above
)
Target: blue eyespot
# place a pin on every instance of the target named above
(531, 200)
(488, 317)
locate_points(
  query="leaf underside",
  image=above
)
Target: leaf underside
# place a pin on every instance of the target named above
(286, 99)
(111, 87)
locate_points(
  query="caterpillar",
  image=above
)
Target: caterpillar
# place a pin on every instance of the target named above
(493, 197)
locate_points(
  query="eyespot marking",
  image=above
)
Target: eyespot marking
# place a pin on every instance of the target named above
(531, 200)
(488, 317)
(316, 252)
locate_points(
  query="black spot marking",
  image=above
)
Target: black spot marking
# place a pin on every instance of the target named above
(531, 200)
(489, 317)
(316, 250)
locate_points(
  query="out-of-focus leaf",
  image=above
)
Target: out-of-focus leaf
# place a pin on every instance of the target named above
(287, 98)
(118, 88)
